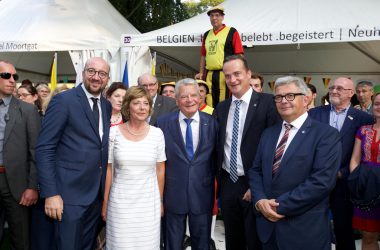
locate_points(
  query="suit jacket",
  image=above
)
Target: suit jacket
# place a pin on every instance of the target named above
(306, 175)
(20, 138)
(354, 120)
(261, 114)
(162, 106)
(189, 184)
(71, 157)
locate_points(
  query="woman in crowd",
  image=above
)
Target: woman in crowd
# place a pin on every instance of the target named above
(135, 177)
(367, 151)
(115, 94)
(28, 93)
(204, 91)
(43, 92)
(167, 89)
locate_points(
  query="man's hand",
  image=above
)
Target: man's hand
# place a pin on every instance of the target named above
(199, 76)
(247, 195)
(268, 208)
(54, 207)
(29, 197)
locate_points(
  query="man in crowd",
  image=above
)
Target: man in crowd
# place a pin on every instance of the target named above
(347, 120)
(257, 82)
(19, 127)
(190, 139)
(161, 104)
(242, 118)
(364, 92)
(293, 173)
(217, 43)
(72, 154)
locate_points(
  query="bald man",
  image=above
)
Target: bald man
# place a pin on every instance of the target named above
(347, 120)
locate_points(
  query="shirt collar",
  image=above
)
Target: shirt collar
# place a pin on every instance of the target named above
(333, 108)
(297, 123)
(195, 117)
(246, 97)
(88, 94)
(7, 99)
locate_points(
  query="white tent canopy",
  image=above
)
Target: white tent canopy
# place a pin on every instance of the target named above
(320, 39)
(31, 31)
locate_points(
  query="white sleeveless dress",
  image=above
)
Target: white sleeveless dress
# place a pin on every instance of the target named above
(134, 206)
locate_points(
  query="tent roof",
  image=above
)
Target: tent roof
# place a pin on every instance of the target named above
(59, 25)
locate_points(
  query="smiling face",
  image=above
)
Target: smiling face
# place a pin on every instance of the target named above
(376, 107)
(116, 99)
(291, 110)
(216, 19)
(188, 100)
(237, 77)
(340, 92)
(139, 109)
(95, 83)
(7, 86)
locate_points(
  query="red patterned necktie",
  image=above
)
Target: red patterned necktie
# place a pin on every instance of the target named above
(280, 149)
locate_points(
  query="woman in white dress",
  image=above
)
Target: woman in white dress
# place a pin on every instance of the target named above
(135, 178)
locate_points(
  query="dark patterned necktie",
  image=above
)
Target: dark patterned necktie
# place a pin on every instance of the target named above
(280, 149)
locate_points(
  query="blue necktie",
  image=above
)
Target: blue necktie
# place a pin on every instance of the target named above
(235, 135)
(189, 139)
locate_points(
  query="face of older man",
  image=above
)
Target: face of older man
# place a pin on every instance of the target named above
(237, 77)
(188, 100)
(364, 94)
(7, 86)
(149, 83)
(340, 92)
(293, 103)
(216, 19)
(96, 75)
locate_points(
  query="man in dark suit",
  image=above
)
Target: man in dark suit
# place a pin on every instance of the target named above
(19, 127)
(254, 113)
(71, 154)
(347, 120)
(190, 141)
(293, 173)
(161, 104)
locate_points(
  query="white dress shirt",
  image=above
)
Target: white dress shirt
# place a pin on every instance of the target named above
(194, 128)
(89, 96)
(246, 98)
(297, 123)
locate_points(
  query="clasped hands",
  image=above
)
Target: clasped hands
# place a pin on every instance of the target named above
(268, 208)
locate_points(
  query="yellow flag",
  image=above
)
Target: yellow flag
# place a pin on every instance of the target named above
(53, 76)
(154, 64)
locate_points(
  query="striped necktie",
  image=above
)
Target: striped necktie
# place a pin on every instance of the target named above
(280, 149)
(234, 143)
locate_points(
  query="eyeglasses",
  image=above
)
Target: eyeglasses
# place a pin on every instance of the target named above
(7, 76)
(25, 95)
(337, 88)
(289, 97)
(91, 72)
(148, 85)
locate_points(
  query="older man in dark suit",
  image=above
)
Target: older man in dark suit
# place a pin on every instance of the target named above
(347, 120)
(190, 139)
(72, 154)
(242, 118)
(161, 104)
(294, 171)
(19, 127)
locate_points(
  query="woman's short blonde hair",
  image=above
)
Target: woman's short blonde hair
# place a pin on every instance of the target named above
(132, 94)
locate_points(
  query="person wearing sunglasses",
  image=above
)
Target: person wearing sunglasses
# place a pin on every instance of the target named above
(347, 120)
(19, 127)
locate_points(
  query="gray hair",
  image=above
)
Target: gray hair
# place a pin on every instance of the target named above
(186, 82)
(292, 80)
(365, 83)
(139, 79)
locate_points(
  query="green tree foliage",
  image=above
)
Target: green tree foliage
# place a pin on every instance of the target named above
(194, 8)
(148, 15)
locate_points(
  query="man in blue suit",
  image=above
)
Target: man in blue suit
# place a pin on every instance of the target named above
(347, 120)
(293, 173)
(71, 154)
(190, 141)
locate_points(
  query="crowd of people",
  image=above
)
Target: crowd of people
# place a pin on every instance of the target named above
(152, 163)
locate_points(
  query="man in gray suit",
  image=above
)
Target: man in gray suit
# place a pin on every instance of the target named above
(161, 104)
(19, 127)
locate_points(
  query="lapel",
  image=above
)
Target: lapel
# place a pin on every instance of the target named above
(14, 107)
(175, 130)
(272, 143)
(82, 98)
(156, 108)
(293, 147)
(106, 119)
(223, 116)
(203, 128)
(349, 121)
(253, 103)
(325, 116)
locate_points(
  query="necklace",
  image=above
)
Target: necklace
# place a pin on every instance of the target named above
(113, 121)
(133, 133)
